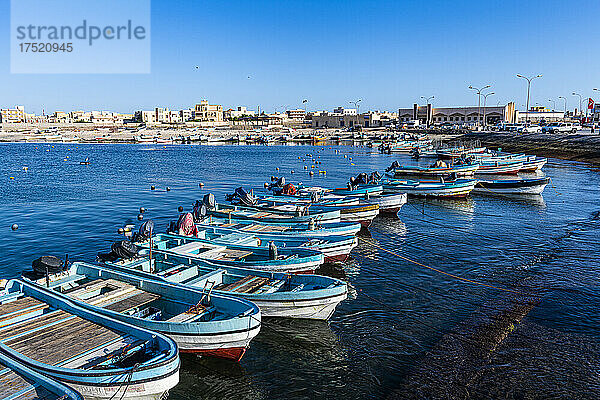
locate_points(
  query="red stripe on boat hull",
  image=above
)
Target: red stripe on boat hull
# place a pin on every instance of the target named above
(233, 353)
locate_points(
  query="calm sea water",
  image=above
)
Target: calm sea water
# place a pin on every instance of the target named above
(405, 331)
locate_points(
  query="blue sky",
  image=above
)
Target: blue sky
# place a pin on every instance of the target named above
(387, 53)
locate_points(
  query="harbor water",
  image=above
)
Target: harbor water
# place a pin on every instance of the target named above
(483, 297)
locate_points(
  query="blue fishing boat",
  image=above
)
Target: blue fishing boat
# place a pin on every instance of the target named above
(334, 248)
(435, 170)
(208, 324)
(512, 186)
(456, 188)
(258, 228)
(359, 190)
(19, 382)
(287, 260)
(276, 294)
(301, 214)
(99, 357)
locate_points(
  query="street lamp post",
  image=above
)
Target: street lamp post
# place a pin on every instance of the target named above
(528, 89)
(484, 102)
(304, 102)
(553, 104)
(565, 114)
(357, 106)
(580, 99)
(426, 104)
(478, 91)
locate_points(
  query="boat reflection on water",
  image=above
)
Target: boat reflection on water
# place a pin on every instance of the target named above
(283, 348)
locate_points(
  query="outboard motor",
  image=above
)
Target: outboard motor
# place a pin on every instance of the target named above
(273, 251)
(393, 166)
(47, 265)
(209, 201)
(199, 211)
(144, 233)
(244, 197)
(124, 249)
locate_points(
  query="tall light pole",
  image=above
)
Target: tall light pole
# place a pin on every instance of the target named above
(304, 102)
(528, 89)
(484, 101)
(553, 104)
(580, 99)
(478, 91)
(356, 105)
(426, 104)
(565, 99)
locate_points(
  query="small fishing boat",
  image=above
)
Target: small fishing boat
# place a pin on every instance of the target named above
(209, 324)
(497, 167)
(276, 294)
(334, 248)
(512, 186)
(389, 203)
(289, 229)
(533, 164)
(457, 188)
(240, 213)
(359, 190)
(413, 170)
(287, 260)
(99, 357)
(19, 382)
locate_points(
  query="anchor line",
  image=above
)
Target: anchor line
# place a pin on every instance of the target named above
(444, 272)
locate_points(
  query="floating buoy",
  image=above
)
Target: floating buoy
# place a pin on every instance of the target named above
(305, 167)
(350, 159)
(14, 227)
(352, 164)
(201, 184)
(25, 169)
(12, 177)
(277, 168)
(311, 173)
(266, 185)
(345, 156)
(152, 187)
(168, 189)
(140, 217)
(292, 171)
(120, 231)
(180, 208)
(312, 166)
(142, 210)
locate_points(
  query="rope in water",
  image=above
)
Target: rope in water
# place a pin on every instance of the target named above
(442, 272)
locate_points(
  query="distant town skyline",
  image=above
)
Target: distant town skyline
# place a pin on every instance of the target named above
(389, 54)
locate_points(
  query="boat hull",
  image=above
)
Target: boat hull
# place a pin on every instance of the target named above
(319, 309)
(154, 390)
(434, 191)
(460, 171)
(389, 203)
(535, 187)
(505, 169)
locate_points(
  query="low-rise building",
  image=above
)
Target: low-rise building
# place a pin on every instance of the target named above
(205, 112)
(345, 111)
(369, 119)
(297, 114)
(458, 115)
(238, 112)
(12, 115)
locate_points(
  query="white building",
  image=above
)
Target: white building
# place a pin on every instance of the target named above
(457, 115)
(12, 115)
(345, 111)
(297, 114)
(239, 112)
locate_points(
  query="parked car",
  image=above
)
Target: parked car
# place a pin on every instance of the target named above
(561, 127)
(530, 129)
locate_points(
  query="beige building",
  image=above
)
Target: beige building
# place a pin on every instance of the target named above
(12, 115)
(297, 114)
(205, 112)
(458, 115)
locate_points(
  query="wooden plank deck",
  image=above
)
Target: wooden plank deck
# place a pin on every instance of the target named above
(137, 300)
(11, 383)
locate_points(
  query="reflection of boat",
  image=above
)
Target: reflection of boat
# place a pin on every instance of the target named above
(21, 382)
(97, 356)
(208, 324)
(457, 188)
(276, 294)
(512, 186)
